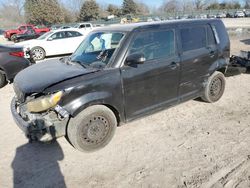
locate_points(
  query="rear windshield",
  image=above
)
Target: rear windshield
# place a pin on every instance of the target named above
(45, 35)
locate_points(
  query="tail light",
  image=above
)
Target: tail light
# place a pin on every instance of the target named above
(17, 54)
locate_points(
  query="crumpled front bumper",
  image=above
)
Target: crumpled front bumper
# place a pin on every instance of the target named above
(40, 128)
(23, 125)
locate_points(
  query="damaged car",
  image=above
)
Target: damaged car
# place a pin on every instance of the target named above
(119, 74)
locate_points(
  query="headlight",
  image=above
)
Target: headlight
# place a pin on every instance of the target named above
(39, 105)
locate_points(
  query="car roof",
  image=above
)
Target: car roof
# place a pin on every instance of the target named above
(68, 29)
(82, 23)
(141, 25)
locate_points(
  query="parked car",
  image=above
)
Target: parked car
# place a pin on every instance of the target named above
(29, 34)
(239, 14)
(56, 42)
(86, 26)
(65, 27)
(211, 16)
(221, 15)
(1, 32)
(230, 15)
(12, 61)
(149, 19)
(247, 13)
(9, 34)
(118, 74)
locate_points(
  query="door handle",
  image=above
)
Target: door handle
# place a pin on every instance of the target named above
(174, 65)
(212, 53)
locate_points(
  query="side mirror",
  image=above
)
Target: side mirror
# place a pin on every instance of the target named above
(137, 58)
(50, 39)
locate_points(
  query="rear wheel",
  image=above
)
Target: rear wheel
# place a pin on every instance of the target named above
(215, 87)
(3, 80)
(92, 129)
(38, 53)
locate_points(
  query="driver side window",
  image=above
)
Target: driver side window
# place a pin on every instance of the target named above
(58, 35)
(22, 28)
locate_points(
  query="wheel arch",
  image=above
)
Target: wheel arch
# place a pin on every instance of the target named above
(111, 107)
(4, 72)
(219, 65)
(37, 46)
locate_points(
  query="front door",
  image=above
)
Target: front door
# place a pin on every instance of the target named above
(153, 84)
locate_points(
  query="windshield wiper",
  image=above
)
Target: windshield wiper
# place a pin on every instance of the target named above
(79, 63)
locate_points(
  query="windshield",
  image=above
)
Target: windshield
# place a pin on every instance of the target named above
(97, 49)
(45, 35)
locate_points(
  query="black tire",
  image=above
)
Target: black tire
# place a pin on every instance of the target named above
(214, 88)
(12, 37)
(92, 129)
(38, 53)
(3, 81)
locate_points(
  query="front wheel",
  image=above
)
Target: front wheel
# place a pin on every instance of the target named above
(13, 37)
(214, 88)
(92, 129)
(38, 53)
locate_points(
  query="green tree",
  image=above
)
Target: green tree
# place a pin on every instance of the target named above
(214, 6)
(89, 11)
(142, 9)
(43, 12)
(112, 9)
(129, 7)
(68, 15)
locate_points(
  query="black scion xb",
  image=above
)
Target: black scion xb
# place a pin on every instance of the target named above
(119, 74)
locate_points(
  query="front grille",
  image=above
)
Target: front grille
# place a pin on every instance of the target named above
(20, 96)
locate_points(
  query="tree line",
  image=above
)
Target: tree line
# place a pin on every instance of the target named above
(47, 12)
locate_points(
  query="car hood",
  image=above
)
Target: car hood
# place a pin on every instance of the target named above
(36, 78)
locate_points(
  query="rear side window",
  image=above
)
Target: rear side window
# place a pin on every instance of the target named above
(210, 36)
(193, 38)
(154, 45)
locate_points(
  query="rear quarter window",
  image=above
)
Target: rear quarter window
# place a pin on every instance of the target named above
(210, 36)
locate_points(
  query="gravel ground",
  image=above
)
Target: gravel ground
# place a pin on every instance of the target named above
(194, 144)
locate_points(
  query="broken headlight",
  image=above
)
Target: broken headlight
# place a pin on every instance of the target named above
(42, 104)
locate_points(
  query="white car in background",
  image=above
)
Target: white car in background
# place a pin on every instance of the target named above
(53, 43)
(239, 14)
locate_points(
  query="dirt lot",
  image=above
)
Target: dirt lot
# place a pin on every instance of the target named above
(194, 144)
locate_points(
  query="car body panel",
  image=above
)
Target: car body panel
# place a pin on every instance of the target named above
(22, 28)
(11, 65)
(51, 70)
(135, 90)
(57, 46)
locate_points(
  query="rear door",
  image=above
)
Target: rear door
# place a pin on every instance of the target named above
(198, 53)
(155, 83)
